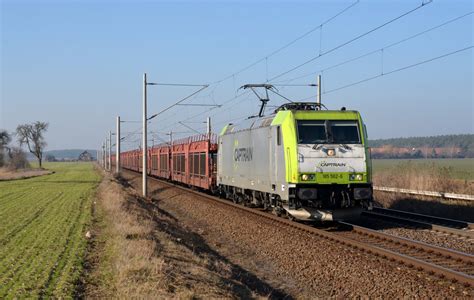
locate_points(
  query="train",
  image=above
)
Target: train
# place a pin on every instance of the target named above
(300, 162)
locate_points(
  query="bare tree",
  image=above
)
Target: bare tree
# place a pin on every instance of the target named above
(32, 136)
(5, 139)
(18, 159)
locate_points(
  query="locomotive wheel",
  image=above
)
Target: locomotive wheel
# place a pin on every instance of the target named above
(235, 199)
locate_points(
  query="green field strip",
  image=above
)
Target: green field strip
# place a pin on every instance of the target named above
(52, 214)
(6, 195)
(41, 260)
(34, 226)
(53, 244)
(8, 208)
(22, 223)
(38, 252)
(27, 251)
(74, 236)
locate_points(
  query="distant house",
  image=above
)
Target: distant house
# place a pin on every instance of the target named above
(85, 156)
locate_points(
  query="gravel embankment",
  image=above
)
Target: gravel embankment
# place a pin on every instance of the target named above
(302, 264)
(440, 239)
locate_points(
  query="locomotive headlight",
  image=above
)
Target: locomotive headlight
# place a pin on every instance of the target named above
(307, 177)
(356, 177)
(331, 152)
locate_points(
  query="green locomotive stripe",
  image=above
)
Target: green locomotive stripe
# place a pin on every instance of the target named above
(333, 177)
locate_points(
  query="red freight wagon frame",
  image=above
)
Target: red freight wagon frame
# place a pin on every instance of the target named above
(140, 160)
(153, 161)
(179, 155)
(164, 162)
(160, 164)
(201, 154)
(191, 161)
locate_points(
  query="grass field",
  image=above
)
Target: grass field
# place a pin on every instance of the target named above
(42, 231)
(462, 168)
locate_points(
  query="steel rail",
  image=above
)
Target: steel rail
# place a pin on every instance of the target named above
(443, 195)
(413, 262)
(426, 256)
(449, 226)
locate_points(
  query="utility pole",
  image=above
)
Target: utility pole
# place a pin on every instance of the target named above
(209, 125)
(105, 154)
(144, 141)
(171, 138)
(117, 146)
(110, 151)
(102, 157)
(107, 145)
(318, 99)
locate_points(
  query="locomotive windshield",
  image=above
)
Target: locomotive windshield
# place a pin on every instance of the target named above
(328, 132)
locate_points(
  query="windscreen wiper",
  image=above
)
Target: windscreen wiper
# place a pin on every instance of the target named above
(345, 146)
(328, 129)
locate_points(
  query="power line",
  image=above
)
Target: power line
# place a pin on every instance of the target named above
(265, 58)
(210, 109)
(383, 48)
(199, 104)
(321, 54)
(179, 101)
(352, 40)
(395, 71)
(173, 84)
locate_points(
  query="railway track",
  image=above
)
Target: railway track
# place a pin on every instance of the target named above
(448, 226)
(432, 258)
(445, 263)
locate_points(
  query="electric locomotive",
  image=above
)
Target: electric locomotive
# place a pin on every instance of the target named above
(301, 161)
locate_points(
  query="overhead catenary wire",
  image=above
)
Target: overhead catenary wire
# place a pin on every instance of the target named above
(381, 49)
(174, 84)
(179, 101)
(321, 53)
(395, 71)
(125, 121)
(423, 4)
(210, 109)
(265, 58)
(372, 52)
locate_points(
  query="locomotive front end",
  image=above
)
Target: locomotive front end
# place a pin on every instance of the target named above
(329, 167)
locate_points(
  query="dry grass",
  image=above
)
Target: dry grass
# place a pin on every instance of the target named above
(8, 174)
(131, 258)
(409, 175)
(433, 178)
(122, 257)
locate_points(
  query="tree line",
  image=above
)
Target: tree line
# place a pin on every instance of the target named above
(442, 146)
(30, 135)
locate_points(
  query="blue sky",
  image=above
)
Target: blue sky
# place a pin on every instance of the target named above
(78, 64)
